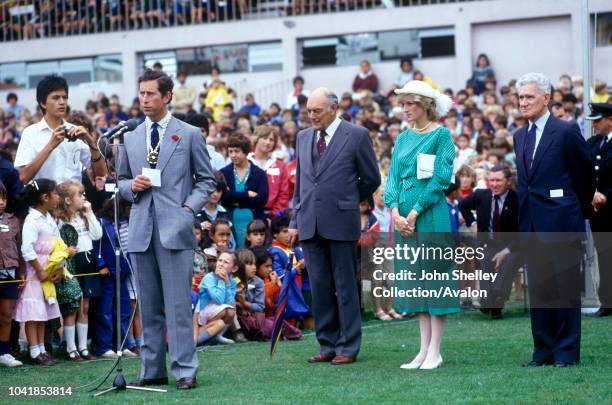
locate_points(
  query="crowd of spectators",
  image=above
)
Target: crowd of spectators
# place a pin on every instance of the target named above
(252, 150)
(42, 19)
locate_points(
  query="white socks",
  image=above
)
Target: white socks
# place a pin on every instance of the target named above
(69, 338)
(82, 335)
(41, 348)
(34, 351)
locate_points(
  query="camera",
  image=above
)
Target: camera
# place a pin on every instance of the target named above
(68, 137)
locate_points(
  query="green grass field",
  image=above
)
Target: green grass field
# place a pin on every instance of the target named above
(482, 365)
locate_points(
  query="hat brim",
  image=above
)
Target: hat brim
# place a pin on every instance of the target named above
(594, 117)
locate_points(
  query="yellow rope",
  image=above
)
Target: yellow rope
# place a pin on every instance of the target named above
(35, 279)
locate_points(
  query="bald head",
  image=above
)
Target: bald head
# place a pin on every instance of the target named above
(322, 106)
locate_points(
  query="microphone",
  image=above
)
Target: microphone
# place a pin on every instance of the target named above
(121, 128)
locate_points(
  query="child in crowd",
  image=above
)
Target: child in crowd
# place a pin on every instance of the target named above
(74, 210)
(257, 234)
(200, 265)
(217, 298)
(220, 234)
(213, 211)
(104, 248)
(250, 303)
(272, 283)
(10, 269)
(39, 229)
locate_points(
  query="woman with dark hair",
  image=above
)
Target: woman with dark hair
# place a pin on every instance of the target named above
(247, 192)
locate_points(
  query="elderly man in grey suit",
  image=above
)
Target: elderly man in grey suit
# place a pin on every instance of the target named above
(165, 170)
(336, 170)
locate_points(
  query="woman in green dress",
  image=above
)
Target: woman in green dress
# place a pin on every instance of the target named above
(418, 204)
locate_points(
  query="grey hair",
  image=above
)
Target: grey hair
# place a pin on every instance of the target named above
(331, 99)
(538, 79)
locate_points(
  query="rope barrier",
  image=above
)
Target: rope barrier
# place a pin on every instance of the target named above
(35, 279)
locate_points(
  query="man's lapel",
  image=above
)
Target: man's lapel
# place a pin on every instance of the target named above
(335, 146)
(545, 141)
(168, 144)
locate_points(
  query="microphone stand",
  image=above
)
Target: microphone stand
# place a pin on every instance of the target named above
(119, 383)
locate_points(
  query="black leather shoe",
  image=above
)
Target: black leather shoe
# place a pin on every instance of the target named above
(496, 313)
(561, 364)
(534, 363)
(143, 382)
(601, 312)
(186, 383)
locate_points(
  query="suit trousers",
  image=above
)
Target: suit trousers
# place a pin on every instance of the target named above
(553, 275)
(603, 244)
(164, 297)
(332, 269)
(498, 292)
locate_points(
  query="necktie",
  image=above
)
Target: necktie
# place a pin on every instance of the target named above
(604, 143)
(496, 217)
(154, 135)
(530, 142)
(321, 145)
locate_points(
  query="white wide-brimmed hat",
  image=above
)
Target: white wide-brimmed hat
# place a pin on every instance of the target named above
(442, 101)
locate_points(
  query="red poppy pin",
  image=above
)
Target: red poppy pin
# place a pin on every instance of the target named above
(175, 137)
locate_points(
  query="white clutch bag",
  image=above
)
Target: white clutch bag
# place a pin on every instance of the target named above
(425, 166)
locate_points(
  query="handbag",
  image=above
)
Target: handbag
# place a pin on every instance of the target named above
(425, 165)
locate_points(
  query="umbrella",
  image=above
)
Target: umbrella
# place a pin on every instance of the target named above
(290, 304)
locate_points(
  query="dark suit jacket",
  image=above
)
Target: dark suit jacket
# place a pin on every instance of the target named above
(257, 182)
(601, 159)
(481, 201)
(326, 201)
(561, 162)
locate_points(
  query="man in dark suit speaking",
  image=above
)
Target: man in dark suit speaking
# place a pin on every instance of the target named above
(555, 188)
(336, 170)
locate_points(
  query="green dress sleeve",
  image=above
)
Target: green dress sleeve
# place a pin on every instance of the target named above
(392, 188)
(442, 174)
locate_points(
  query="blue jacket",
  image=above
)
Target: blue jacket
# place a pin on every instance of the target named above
(213, 289)
(104, 249)
(257, 182)
(555, 194)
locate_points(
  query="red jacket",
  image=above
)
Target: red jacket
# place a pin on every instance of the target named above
(278, 187)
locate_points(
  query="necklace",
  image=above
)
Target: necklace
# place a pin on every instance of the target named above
(422, 129)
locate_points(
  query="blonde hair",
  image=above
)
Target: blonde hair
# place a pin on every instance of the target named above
(68, 189)
(427, 104)
(263, 131)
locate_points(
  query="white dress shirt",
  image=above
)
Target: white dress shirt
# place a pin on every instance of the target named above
(330, 131)
(161, 130)
(66, 162)
(35, 224)
(540, 124)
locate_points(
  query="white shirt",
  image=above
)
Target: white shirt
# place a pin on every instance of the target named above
(86, 233)
(35, 224)
(66, 162)
(161, 130)
(216, 159)
(292, 99)
(541, 123)
(330, 131)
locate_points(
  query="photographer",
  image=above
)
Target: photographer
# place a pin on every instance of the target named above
(53, 148)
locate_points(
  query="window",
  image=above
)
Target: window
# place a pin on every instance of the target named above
(349, 50)
(229, 58)
(108, 68)
(105, 68)
(603, 29)
(13, 75)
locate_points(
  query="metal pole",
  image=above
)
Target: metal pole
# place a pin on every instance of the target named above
(586, 65)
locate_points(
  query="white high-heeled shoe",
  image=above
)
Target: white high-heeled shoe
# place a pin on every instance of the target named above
(413, 365)
(432, 366)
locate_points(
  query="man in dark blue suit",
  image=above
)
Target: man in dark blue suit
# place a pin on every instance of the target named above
(555, 187)
(336, 170)
(600, 149)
